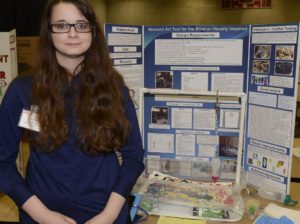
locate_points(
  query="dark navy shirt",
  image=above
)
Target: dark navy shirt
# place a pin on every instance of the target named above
(65, 180)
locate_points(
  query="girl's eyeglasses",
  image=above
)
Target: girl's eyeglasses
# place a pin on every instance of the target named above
(65, 27)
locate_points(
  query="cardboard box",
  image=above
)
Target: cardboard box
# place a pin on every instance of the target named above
(27, 51)
(296, 167)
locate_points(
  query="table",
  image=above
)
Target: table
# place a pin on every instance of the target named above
(295, 193)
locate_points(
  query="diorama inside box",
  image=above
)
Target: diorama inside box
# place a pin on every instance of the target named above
(165, 192)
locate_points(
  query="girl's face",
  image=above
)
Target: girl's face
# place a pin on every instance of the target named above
(71, 43)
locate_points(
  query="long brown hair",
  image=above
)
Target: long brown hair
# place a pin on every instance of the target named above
(102, 124)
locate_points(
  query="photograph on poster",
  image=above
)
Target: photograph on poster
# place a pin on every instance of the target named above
(228, 146)
(264, 162)
(228, 169)
(152, 164)
(134, 98)
(268, 160)
(164, 79)
(260, 79)
(228, 166)
(284, 52)
(200, 169)
(283, 68)
(261, 66)
(262, 51)
(170, 167)
(160, 115)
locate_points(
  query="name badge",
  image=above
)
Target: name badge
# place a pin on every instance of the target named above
(29, 120)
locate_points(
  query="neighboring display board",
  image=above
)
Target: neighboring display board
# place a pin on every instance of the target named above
(8, 60)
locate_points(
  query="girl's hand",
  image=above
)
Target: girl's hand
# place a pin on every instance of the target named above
(111, 210)
(52, 217)
(102, 218)
(40, 213)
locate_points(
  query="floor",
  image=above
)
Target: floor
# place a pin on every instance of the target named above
(8, 210)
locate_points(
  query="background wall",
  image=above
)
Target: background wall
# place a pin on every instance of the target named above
(24, 15)
(190, 12)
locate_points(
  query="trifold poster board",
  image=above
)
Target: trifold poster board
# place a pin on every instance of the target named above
(8, 60)
(8, 71)
(125, 45)
(259, 60)
(272, 95)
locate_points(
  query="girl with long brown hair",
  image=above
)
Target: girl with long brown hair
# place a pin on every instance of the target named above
(80, 113)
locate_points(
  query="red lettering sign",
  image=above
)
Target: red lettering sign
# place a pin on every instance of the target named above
(2, 75)
(3, 58)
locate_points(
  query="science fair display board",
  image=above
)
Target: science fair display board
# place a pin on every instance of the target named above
(126, 51)
(272, 94)
(8, 60)
(260, 61)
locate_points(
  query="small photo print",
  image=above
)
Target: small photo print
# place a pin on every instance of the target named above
(160, 115)
(262, 51)
(261, 66)
(164, 79)
(284, 52)
(260, 79)
(265, 162)
(283, 68)
(200, 169)
(229, 166)
(228, 146)
(255, 156)
(228, 169)
(170, 167)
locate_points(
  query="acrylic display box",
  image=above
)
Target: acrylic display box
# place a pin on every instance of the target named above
(195, 198)
(179, 183)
